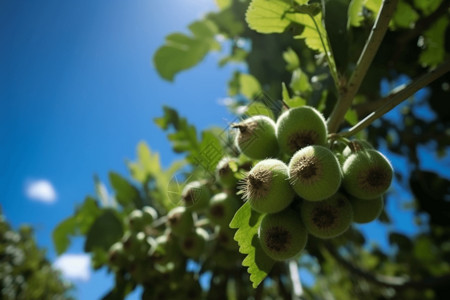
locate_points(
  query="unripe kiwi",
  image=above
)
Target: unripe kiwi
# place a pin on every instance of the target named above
(222, 208)
(367, 174)
(136, 220)
(195, 195)
(267, 187)
(354, 146)
(299, 127)
(149, 215)
(365, 211)
(256, 137)
(180, 221)
(282, 235)
(328, 218)
(225, 173)
(314, 173)
(193, 244)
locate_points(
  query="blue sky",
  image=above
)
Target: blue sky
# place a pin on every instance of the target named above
(77, 94)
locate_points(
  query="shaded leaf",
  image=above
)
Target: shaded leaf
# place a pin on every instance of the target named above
(61, 234)
(405, 16)
(127, 194)
(247, 222)
(434, 41)
(105, 231)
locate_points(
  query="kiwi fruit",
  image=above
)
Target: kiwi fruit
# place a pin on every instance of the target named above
(195, 195)
(266, 187)
(225, 172)
(256, 137)
(180, 221)
(314, 173)
(222, 208)
(367, 174)
(328, 218)
(366, 211)
(193, 244)
(300, 127)
(282, 235)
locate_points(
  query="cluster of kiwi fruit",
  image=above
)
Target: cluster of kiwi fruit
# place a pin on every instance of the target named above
(304, 183)
(197, 229)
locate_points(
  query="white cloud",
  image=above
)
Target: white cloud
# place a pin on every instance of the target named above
(41, 190)
(74, 266)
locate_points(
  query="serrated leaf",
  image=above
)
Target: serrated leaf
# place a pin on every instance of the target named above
(355, 15)
(105, 231)
(434, 42)
(247, 222)
(405, 16)
(291, 59)
(181, 52)
(127, 194)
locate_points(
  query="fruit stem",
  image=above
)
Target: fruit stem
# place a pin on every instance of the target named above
(397, 96)
(348, 92)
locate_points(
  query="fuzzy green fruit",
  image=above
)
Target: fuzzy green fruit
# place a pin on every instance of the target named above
(366, 211)
(328, 218)
(282, 235)
(352, 147)
(195, 195)
(267, 187)
(193, 244)
(136, 220)
(225, 173)
(256, 137)
(314, 173)
(225, 238)
(180, 221)
(222, 208)
(300, 127)
(149, 214)
(367, 174)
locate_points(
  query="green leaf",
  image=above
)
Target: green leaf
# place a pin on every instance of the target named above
(249, 86)
(181, 52)
(247, 222)
(351, 117)
(291, 59)
(373, 5)
(61, 234)
(257, 108)
(268, 16)
(127, 194)
(355, 15)
(405, 16)
(210, 153)
(434, 43)
(105, 231)
(300, 82)
(184, 137)
(222, 4)
(428, 6)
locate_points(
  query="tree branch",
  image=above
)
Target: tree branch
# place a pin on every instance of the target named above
(397, 96)
(397, 283)
(348, 92)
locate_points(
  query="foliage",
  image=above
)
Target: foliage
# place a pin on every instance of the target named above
(25, 273)
(348, 59)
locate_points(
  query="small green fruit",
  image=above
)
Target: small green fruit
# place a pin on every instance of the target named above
(300, 127)
(225, 173)
(117, 256)
(354, 146)
(225, 238)
(136, 220)
(149, 214)
(195, 195)
(367, 174)
(193, 244)
(267, 187)
(256, 137)
(180, 221)
(282, 235)
(222, 208)
(328, 218)
(365, 211)
(314, 173)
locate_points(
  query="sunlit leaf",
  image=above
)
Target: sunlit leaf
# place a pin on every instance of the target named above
(247, 222)
(434, 41)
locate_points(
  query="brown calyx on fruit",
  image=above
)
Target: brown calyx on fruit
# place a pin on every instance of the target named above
(301, 139)
(257, 184)
(324, 216)
(277, 238)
